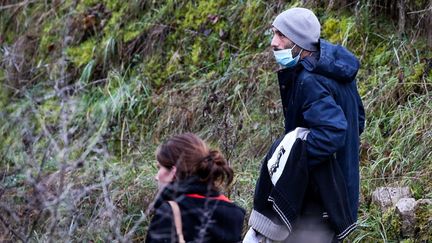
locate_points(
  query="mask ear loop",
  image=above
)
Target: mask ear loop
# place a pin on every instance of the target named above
(292, 48)
(301, 50)
(298, 55)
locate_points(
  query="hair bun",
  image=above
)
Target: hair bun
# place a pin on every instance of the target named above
(192, 157)
(217, 157)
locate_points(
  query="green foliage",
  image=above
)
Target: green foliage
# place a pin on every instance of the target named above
(82, 54)
(158, 68)
(339, 30)
(110, 52)
(3, 92)
(49, 37)
(392, 224)
(87, 72)
(383, 56)
(111, 4)
(132, 31)
(423, 214)
(196, 52)
(113, 25)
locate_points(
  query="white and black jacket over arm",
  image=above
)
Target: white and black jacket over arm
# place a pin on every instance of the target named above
(282, 184)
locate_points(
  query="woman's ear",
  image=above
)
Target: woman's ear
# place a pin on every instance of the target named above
(173, 172)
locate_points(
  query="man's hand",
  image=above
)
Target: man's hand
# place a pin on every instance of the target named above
(254, 237)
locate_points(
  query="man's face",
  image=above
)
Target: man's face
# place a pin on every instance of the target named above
(279, 41)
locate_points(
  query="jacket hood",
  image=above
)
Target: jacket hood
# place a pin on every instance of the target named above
(335, 62)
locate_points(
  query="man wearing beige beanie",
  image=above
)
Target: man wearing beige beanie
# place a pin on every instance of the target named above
(320, 98)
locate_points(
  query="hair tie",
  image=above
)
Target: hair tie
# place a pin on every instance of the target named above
(208, 158)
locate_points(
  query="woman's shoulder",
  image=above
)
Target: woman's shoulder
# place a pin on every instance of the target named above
(164, 205)
(163, 210)
(233, 209)
(222, 206)
(199, 204)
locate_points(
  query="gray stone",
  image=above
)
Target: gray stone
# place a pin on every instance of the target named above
(386, 197)
(405, 207)
(422, 202)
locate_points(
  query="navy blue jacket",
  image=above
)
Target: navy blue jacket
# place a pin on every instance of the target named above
(320, 93)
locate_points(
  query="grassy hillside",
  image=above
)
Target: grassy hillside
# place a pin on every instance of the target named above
(90, 88)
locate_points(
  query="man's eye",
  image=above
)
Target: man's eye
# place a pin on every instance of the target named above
(279, 34)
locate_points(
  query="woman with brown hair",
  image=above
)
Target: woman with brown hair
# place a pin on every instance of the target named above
(190, 206)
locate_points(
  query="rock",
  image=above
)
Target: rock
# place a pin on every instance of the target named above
(386, 197)
(426, 202)
(405, 207)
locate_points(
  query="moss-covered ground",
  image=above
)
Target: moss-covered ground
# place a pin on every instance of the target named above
(90, 88)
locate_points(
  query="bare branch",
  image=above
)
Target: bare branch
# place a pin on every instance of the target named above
(16, 5)
(6, 224)
(420, 11)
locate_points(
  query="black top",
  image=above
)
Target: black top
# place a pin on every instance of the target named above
(204, 219)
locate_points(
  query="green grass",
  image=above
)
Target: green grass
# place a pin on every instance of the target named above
(96, 110)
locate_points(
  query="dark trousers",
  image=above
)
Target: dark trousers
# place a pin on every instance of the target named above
(312, 227)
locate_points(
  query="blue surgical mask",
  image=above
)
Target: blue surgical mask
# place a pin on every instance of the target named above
(285, 59)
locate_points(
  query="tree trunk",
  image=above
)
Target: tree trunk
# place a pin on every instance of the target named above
(402, 20)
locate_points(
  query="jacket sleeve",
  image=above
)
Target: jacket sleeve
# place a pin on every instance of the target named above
(161, 229)
(361, 115)
(324, 118)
